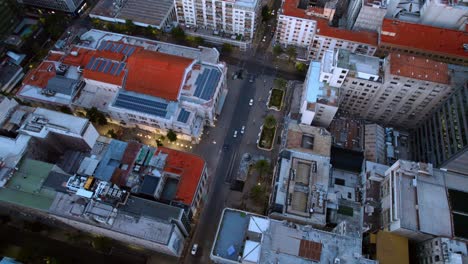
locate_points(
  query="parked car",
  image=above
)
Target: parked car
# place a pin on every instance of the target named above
(242, 129)
(194, 249)
(251, 102)
(235, 134)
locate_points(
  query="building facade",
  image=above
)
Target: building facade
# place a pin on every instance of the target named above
(69, 6)
(441, 250)
(233, 17)
(401, 90)
(442, 139)
(374, 143)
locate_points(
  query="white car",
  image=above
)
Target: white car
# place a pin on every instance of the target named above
(194, 249)
(242, 129)
(235, 134)
(272, 12)
(264, 39)
(251, 102)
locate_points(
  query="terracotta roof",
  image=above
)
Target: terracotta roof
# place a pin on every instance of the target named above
(54, 56)
(419, 68)
(189, 167)
(310, 250)
(423, 37)
(41, 75)
(156, 74)
(290, 8)
(323, 29)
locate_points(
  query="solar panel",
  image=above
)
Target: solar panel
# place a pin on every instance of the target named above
(114, 47)
(102, 65)
(108, 46)
(130, 52)
(183, 116)
(90, 63)
(102, 45)
(122, 65)
(142, 101)
(125, 50)
(139, 108)
(96, 63)
(115, 66)
(108, 67)
(120, 47)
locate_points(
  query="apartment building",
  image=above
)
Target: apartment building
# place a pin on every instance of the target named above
(366, 15)
(441, 250)
(237, 17)
(374, 143)
(401, 90)
(69, 6)
(319, 99)
(417, 39)
(442, 139)
(309, 27)
(135, 81)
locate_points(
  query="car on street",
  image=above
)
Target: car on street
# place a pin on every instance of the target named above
(235, 134)
(264, 38)
(272, 12)
(242, 129)
(194, 249)
(251, 102)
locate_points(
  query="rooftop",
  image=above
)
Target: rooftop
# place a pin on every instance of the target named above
(347, 133)
(189, 167)
(148, 12)
(13, 149)
(317, 91)
(422, 37)
(25, 187)
(419, 68)
(358, 63)
(308, 139)
(156, 74)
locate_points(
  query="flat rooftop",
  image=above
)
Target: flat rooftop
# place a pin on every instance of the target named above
(347, 133)
(358, 63)
(13, 149)
(247, 3)
(317, 91)
(43, 120)
(308, 139)
(420, 68)
(25, 188)
(146, 11)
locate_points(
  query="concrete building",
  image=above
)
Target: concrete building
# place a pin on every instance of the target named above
(412, 197)
(347, 133)
(302, 176)
(400, 91)
(243, 237)
(219, 21)
(68, 6)
(319, 100)
(366, 15)
(437, 13)
(137, 82)
(374, 143)
(442, 139)
(10, 73)
(310, 28)
(157, 14)
(441, 250)
(8, 17)
(417, 39)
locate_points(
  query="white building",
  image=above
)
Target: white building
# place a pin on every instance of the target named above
(400, 91)
(441, 250)
(238, 17)
(309, 28)
(137, 82)
(366, 15)
(319, 100)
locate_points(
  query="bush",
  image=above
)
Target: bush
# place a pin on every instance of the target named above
(171, 135)
(270, 121)
(277, 50)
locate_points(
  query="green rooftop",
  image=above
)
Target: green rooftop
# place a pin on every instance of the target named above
(25, 187)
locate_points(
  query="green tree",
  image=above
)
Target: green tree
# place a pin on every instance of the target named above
(257, 193)
(130, 27)
(291, 52)
(266, 15)
(95, 116)
(280, 83)
(160, 140)
(270, 121)
(54, 24)
(178, 33)
(111, 133)
(171, 135)
(262, 166)
(227, 48)
(277, 50)
(301, 67)
(102, 244)
(65, 109)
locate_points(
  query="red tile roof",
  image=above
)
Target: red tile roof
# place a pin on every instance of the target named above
(41, 75)
(323, 29)
(189, 167)
(423, 37)
(156, 74)
(419, 68)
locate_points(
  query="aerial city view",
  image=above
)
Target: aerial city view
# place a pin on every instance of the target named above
(234, 131)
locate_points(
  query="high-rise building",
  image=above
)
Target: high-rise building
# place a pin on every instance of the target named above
(69, 6)
(8, 17)
(232, 17)
(442, 139)
(401, 90)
